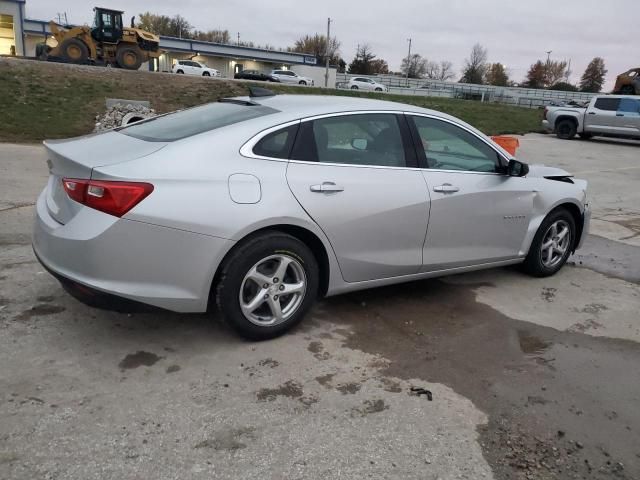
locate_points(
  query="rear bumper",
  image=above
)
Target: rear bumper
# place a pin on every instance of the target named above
(159, 266)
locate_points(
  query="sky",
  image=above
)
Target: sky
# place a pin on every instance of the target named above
(516, 33)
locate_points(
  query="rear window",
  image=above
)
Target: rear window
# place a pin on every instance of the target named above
(185, 123)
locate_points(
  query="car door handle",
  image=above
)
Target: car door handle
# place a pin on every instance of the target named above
(326, 187)
(619, 114)
(592, 113)
(446, 188)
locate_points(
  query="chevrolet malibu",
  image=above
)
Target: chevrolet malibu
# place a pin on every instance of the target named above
(261, 204)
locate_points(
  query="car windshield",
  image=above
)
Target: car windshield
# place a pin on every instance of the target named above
(185, 123)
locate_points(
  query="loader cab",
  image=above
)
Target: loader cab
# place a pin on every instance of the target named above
(107, 25)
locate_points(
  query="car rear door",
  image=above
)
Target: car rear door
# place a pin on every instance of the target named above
(628, 117)
(478, 214)
(354, 175)
(601, 116)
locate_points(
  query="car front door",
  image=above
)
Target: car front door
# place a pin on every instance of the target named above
(352, 173)
(601, 115)
(478, 214)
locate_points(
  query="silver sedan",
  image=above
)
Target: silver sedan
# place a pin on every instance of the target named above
(260, 204)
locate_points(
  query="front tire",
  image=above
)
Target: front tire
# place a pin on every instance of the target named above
(566, 129)
(206, 74)
(378, 89)
(551, 245)
(74, 50)
(302, 82)
(267, 285)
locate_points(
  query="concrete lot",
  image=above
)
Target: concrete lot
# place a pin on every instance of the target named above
(531, 378)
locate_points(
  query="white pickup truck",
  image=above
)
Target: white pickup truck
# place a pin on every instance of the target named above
(605, 115)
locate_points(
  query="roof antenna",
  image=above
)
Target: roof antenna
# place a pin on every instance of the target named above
(260, 92)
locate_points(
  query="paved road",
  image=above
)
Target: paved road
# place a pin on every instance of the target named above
(531, 378)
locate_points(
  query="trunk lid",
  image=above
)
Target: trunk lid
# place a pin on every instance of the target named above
(76, 158)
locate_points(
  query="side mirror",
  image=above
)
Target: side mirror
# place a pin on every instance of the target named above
(517, 169)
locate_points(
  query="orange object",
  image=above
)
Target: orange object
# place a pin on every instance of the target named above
(510, 144)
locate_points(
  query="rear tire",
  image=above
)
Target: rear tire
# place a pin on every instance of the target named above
(74, 50)
(248, 292)
(129, 58)
(354, 87)
(547, 254)
(180, 72)
(566, 129)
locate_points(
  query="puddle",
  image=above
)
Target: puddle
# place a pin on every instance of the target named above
(532, 345)
(138, 359)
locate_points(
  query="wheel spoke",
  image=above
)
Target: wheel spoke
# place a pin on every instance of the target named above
(547, 244)
(290, 288)
(560, 250)
(255, 302)
(554, 230)
(258, 277)
(282, 268)
(276, 309)
(563, 233)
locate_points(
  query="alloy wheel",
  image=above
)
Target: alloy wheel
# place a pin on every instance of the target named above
(555, 243)
(273, 290)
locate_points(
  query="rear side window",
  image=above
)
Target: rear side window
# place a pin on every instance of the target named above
(185, 123)
(629, 105)
(610, 104)
(277, 144)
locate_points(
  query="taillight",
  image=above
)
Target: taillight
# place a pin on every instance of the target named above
(114, 198)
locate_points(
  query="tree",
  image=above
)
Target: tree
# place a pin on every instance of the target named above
(475, 67)
(593, 77)
(535, 76)
(414, 66)
(363, 62)
(555, 71)
(215, 36)
(497, 75)
(439, 71)
(379, 66)
(564, 87)
(317, 45)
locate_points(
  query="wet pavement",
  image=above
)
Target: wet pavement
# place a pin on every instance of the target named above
(529, 378)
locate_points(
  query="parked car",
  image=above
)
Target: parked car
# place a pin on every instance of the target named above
(255, 75)
(364, 83)
(606, 115)
(628, 83)
(189, 67)
(305, 196)
(287, 76)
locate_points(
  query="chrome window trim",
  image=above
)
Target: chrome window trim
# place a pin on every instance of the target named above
(246, 150)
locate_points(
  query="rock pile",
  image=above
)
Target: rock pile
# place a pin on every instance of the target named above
(122, 114)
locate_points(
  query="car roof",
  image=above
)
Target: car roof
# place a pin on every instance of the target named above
(300, 106)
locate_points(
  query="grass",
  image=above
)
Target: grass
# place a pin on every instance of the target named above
(48, 100)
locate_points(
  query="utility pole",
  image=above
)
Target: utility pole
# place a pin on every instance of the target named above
(408, 60)
(549, 56)
(326, 54)
(568, 71)
(238, 38)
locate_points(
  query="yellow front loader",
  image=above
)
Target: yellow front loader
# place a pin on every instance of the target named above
(107, 42)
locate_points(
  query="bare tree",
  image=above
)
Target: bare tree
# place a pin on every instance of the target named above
(414, 66)
(439, 71)
(555, 71)
(476, 66)
(317, 45)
